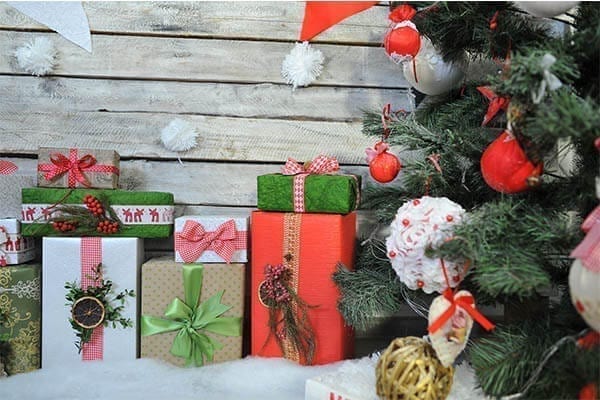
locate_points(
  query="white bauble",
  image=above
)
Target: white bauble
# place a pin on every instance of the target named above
(419, 224)
(546, 9)
(433, 75)
(584, 286)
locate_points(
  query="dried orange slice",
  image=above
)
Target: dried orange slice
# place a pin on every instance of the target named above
(88, 312)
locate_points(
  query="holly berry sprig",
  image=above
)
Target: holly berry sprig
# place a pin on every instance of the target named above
(96, 218)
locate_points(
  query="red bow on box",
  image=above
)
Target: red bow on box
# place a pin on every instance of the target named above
(589, 249)
(320, 165)
(194, 240)
(75, 167)
(466, 303)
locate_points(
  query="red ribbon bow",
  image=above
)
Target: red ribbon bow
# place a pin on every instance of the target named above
(465, 302)
(7, 167)
(589, 248)
(497, 103)
(402, 13)
(194, 240)
(75, 167)
(319, 165)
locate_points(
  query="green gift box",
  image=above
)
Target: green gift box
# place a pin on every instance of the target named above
(20, 312)
(140, 214)
(335, 194)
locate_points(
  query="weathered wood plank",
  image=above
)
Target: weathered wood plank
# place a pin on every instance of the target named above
(196, 183)
(18, 93)
(204, 60)
(219, 138)
(272, 20)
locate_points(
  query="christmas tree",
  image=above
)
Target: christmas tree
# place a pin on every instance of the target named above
(525, 178)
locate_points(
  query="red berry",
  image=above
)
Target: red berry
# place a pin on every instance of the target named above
(449, 218)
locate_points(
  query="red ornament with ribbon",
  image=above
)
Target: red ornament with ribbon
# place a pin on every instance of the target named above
(195, 241)
(403, 41)
(506, 168)
(383, 165)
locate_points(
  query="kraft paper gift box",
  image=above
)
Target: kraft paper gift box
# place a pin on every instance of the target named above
(211, 239)
(313, 187)
(310, 246)
(20, 311)
(353, 380)
(73, 260)
(73, 168)
(14, 248)
(11, 182)
(163, 281)
(142, 214)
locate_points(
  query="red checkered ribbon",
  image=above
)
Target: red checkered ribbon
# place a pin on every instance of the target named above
(589, 249)
(75, 167)
(91, 257)
(467, 303)
(7, 167)
(497, 103)
(194, 240)
(320, 165)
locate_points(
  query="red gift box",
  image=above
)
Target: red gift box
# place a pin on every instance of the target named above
(315, 244)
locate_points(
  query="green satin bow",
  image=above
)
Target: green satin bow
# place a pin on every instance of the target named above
(191, 318)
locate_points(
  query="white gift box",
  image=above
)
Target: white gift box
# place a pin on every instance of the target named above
(10, 195)
(14, 248)
(62, 260)
(213, 227)
(353, 380)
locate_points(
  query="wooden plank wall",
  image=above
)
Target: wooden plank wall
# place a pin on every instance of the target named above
(214, 64)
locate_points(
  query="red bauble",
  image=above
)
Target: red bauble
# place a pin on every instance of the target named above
(505, 166)
(403, 40)
(589, 392)
(384, 167)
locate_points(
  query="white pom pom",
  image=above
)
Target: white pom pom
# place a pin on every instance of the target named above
(179, 135)
(302, 66)
(37, 57)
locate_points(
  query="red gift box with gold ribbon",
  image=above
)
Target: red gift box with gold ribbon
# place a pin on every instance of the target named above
(293, 258)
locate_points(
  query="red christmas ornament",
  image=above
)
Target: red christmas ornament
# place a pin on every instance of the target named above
(505, 166)
(403, 41)
(589, 392)
(383, 165)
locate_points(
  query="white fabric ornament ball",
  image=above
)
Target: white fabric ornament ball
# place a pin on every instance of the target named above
(302, 66)
(179, 135)
(583, 286)
(38, 57)
(429, 73)
(546, 9)
(419, 224)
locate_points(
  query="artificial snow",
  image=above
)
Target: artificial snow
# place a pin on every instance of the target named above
(251, 378)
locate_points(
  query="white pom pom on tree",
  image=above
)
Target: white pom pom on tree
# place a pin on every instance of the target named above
(37, 57)
(302, 65)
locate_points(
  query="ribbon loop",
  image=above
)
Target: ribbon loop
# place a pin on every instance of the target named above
(549, 80)
(7, 167)
(194, 240)
(497, 103)
(465, 302)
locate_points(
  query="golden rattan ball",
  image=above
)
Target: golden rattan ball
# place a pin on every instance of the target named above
(410, 370)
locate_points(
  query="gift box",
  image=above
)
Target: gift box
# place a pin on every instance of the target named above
(308, 247)
(20, 311)
(211, 238)
(197, 286)
(139, 214)
(11, 182)
(72, 168)
(14, 248)
(78, 261)
(352, 380)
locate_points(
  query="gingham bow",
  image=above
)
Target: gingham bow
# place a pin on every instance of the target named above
(7, 167)
(319, 165)
(589, 248)
(75, 167)
(194, 240)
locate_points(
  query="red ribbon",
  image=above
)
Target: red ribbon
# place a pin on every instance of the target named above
(75, 167)
(402, 13)
(7, 167)
(497, 103)
(465, 302)
(194, 240)
(91, 257)
(589, 248)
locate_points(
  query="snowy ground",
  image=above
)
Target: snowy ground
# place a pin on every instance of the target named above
(251, 378)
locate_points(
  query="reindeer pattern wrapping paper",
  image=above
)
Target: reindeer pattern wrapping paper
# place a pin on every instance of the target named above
(14, 248)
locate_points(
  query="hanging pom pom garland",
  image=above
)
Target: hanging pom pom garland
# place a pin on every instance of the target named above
(302, 66)
(179, 135)
(383, 165)
(403, 41)
(429, 73)
(37, 57)
(506, 168)
(418, 225)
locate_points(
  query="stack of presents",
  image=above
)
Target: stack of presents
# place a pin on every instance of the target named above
(94, 296)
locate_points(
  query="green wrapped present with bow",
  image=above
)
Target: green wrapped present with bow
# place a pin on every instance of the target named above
(206, 326)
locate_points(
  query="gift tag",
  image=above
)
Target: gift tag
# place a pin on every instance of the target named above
(451, 338)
